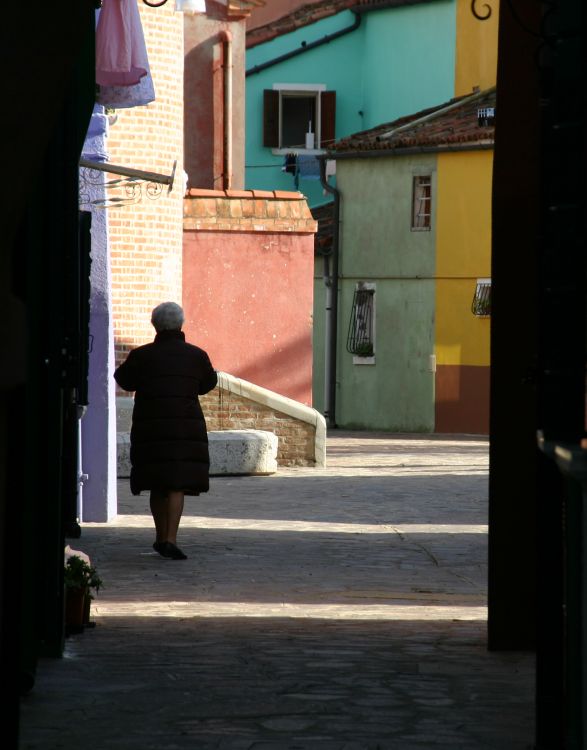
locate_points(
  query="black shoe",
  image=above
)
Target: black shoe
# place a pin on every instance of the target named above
(169, 550)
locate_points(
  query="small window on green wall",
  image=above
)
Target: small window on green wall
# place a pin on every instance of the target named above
(421, 203)
(361, 335)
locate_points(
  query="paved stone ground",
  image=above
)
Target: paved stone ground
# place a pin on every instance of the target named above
(340, 609)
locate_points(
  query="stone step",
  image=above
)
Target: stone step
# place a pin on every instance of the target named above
(232, 452)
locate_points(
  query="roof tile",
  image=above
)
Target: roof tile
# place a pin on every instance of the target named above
(313, 12)
(452, 123)
(287, 195)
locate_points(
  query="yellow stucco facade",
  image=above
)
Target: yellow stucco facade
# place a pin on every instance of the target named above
(463, 255)
(476, 53)
(463, 242)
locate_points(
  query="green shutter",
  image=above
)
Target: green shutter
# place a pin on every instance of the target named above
(327, 118)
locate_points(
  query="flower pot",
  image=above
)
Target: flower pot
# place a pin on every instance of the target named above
(87, 606)
(75, 603)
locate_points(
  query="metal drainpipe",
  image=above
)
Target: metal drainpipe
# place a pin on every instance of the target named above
(82, 477)
(331, 304)
(358, 13)
(226, 38)
(306, 47)
(327, 329)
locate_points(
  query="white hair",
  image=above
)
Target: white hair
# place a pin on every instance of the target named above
(168, 316)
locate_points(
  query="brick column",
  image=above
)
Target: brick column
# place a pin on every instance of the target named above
(146, 237)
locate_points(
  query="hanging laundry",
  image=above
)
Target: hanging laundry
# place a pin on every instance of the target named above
(290, 163)
(121, 53)
(308, 167)
(121, 97)
(94, 147)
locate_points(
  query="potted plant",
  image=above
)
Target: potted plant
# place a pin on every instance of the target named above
(364, 350)
(80, 579)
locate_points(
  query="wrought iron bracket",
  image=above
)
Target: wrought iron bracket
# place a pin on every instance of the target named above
(477, 14)
(131, 180)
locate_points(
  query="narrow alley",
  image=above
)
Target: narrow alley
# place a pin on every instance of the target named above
(337, 608)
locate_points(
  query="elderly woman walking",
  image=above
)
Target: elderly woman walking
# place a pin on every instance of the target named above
(169, 442)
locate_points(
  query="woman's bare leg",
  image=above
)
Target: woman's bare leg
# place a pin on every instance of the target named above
(174, 513)
(167, 509)
(158, 503)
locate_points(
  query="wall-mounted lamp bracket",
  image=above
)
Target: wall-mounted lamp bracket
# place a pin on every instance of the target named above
(136, 174)
(131, 180)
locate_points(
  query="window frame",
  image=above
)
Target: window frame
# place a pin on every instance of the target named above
(481, 304)
(427, 227)
(370, 288)
(325, 107)
(315, 95)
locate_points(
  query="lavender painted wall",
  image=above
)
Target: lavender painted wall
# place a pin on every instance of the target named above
(98, 426)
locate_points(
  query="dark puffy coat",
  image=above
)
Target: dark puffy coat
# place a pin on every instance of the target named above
(168, 439)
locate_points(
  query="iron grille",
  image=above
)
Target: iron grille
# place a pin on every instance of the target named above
(421, 202)
(481, 305)
(360, 336)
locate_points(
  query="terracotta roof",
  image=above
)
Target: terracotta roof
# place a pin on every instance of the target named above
(242, 8)
(313, 12)
(453, 123)
(282, 195)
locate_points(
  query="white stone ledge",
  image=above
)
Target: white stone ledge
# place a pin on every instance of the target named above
(122, 454)
(232, 452)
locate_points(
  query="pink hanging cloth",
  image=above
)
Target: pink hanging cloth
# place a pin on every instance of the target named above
(121, 52)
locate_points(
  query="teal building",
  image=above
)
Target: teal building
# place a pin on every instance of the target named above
(349, 71)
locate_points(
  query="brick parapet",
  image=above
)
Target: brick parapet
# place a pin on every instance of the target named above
(247, 211)
(236, 404)
(228, 411)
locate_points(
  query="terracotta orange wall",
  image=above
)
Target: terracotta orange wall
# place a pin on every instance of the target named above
(248, 286)
(462, 399)
(204, 84)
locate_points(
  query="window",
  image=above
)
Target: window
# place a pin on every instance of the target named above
(298, 116)
(481, 305)
(361, 335)
(298, 120)
(421, 202)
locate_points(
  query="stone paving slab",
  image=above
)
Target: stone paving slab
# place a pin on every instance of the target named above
(341, 608)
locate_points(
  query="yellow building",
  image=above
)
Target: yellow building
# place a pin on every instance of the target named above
(463, 246)
(415, 254)
(463, 278)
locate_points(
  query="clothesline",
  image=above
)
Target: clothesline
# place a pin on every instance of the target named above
(263, 166)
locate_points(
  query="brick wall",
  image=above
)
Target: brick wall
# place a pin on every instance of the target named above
(146, 238)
